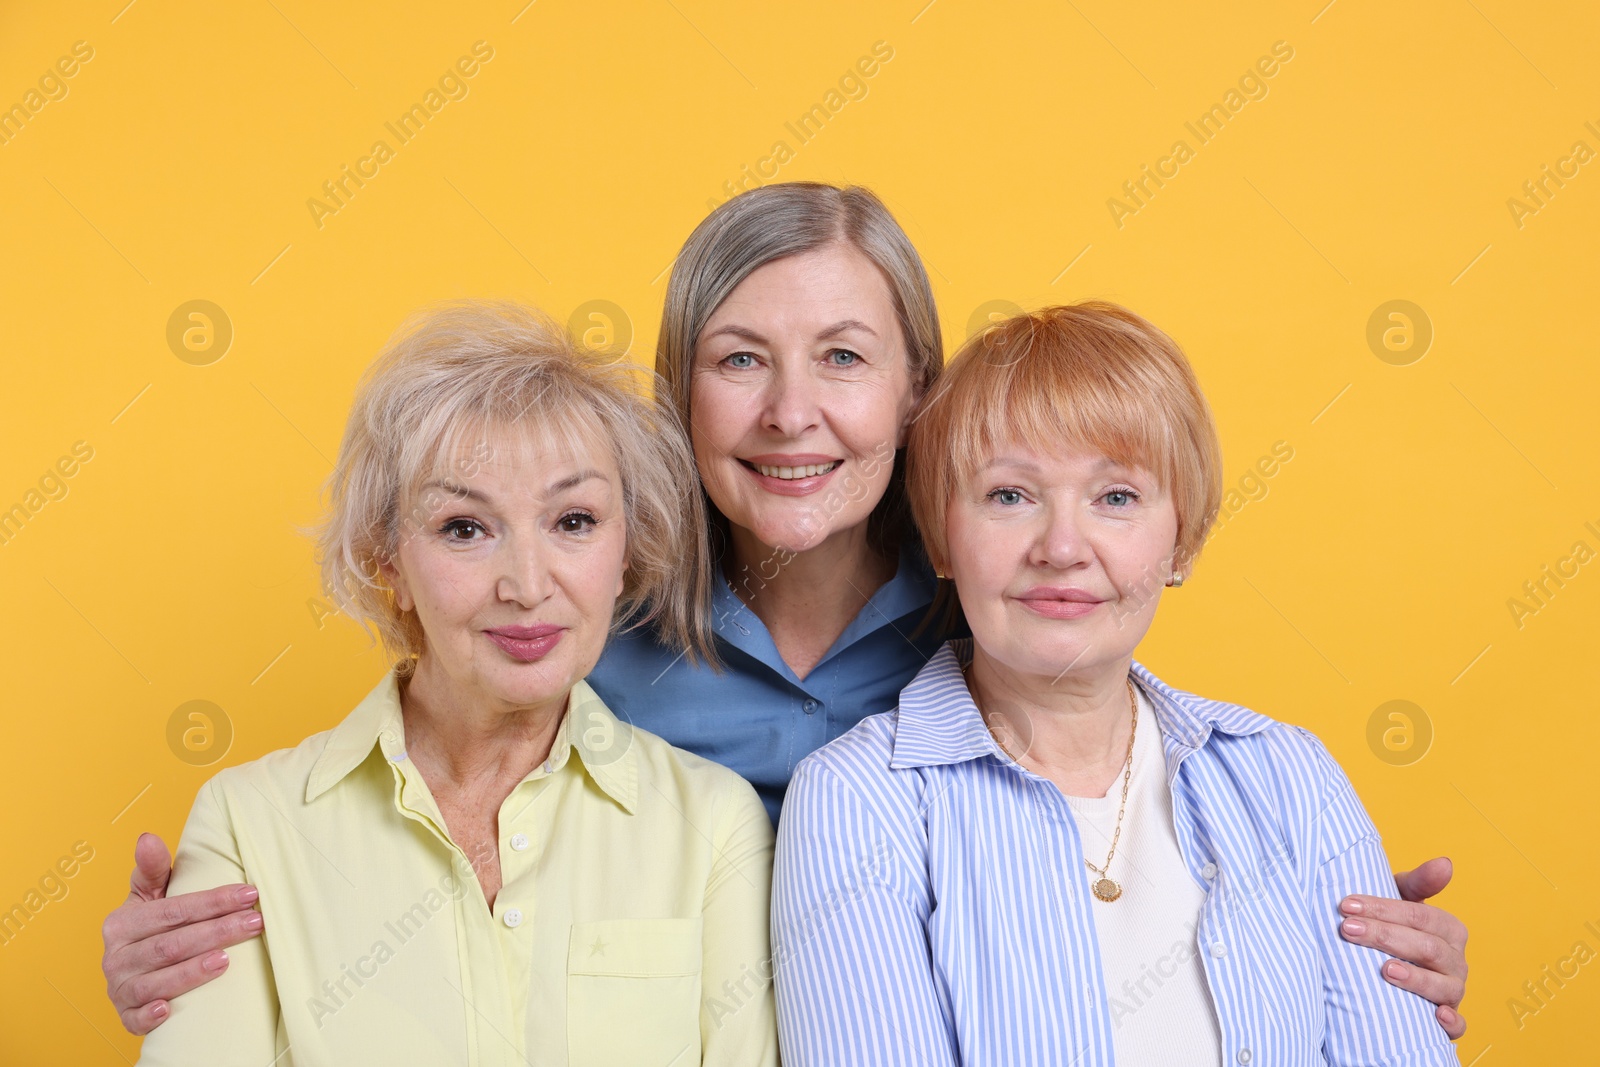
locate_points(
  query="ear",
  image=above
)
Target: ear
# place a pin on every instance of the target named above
(904, 433)
(397, 582)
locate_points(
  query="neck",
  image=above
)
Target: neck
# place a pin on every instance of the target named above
(1073, 729)
(817, 591)
(465, 741)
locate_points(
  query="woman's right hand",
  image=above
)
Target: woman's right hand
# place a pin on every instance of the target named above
(158, 948)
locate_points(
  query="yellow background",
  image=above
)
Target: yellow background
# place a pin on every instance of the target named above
(1377, 567)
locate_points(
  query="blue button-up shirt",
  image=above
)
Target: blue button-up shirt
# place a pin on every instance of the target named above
(931, 906)
(757, 717)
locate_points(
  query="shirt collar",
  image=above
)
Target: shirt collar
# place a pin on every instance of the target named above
(938, 724)
(603, 742)
(912, 588)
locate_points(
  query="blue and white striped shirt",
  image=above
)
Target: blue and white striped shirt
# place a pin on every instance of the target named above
(931, 906)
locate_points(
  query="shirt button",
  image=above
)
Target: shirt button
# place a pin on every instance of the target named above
(519, 842)
(1219, 950)
(1209, 871)
(1244, 1055)
(513, 918)
(811, 707)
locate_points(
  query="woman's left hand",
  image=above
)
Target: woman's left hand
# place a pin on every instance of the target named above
(1433, 941)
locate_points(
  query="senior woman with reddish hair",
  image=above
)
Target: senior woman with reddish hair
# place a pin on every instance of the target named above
(1046, 854)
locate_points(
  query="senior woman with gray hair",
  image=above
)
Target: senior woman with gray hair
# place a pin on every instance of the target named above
(481, 864)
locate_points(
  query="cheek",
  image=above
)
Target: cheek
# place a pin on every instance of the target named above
(973, 552)
(1139, 566)
(442, 588)
(595, 576)
(871, 422)
(714, 422)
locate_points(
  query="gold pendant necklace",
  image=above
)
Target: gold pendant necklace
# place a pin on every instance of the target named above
(1105, 887)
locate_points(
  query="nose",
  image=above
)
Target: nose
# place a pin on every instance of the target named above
(525, 576)
(1063, 541)
(791, 404)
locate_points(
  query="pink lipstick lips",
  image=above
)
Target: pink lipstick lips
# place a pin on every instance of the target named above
(526, 644)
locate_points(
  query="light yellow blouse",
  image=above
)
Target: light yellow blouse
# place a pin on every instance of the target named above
(631, 928)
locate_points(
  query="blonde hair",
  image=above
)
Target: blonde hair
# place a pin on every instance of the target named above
(461, 373)
(771, 223)
(1093, 376)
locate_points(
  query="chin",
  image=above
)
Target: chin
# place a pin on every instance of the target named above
(530, 683)
(790, 533)
(1041, 657)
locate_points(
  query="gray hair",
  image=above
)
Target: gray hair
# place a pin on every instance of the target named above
(786, 219)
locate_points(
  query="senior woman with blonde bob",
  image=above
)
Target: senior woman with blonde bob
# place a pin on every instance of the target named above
(1045, 854)
(481, 864)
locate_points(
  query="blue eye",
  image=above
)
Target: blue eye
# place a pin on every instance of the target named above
(1006, 497)
(1121, 498)
(850, 360)
(740, 355)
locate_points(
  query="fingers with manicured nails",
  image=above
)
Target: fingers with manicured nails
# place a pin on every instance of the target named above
(1454, 1025)
(159, 947)
(1423, 951)
(137, 920)
(144, 959)
(1431, 943)
(1427, 880)
(143, 1013)
(1421, 918)
(1442, 990)
(151, 987)
(140, 1021)
(152, 867)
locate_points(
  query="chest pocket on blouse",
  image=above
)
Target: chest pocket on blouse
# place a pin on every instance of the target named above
(633, 992)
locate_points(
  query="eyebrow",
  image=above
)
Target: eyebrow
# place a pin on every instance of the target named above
(573, 480)
(843, 326)
(1033, 468)
(561, 486)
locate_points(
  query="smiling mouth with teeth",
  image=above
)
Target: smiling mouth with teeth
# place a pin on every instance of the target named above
(792, 473)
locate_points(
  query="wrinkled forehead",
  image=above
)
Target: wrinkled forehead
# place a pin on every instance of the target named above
(531, 447)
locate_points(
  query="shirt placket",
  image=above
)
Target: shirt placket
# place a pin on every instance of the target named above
(487, 963)
(1216, 938)
(522, 839)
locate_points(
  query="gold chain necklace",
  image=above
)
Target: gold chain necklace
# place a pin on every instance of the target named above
(1105, 887)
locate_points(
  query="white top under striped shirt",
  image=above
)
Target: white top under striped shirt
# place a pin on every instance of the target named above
(1161, 1012)
(930, 905)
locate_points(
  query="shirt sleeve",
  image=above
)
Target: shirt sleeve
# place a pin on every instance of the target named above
(1370, 1022)
(850, 946)
(738, 1026)
(231, 1021)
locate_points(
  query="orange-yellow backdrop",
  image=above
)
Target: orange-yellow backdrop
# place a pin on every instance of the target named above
(1443, 451)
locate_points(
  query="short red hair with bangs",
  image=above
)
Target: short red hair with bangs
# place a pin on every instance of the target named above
(1091, 376)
